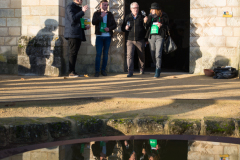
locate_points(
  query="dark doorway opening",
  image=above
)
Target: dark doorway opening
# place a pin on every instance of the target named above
(179, 24)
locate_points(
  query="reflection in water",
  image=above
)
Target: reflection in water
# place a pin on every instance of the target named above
(129, 150)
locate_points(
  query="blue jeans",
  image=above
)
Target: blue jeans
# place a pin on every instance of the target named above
(102, 45)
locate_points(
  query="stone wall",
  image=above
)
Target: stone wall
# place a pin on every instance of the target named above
(39, 154)
(41, 44)
(212, 150)
(214, 39)
(10, 31)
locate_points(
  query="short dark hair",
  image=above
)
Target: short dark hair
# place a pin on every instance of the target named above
(103, 1)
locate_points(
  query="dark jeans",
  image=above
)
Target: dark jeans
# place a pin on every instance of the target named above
(156, 47)
(74, 45)
(102, 45)
(140, 47)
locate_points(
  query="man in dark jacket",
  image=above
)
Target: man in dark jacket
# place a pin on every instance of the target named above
(74, 32)
(102, 150)
(104, 25)
(135, 32)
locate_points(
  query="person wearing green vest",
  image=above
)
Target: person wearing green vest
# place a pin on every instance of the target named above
(104, 25)
(156, 26)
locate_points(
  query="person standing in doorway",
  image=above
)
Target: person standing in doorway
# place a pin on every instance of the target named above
(104, 25)
(74, 31)
(133, 26)
(156, 26)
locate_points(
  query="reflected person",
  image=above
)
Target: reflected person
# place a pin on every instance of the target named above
(74, 32)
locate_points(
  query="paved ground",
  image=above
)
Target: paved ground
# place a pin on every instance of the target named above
(154, 96)
(169, 86)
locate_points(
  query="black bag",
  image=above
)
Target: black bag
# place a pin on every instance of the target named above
(169, 45)
(224, 73)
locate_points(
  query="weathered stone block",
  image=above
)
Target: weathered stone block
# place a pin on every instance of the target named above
(33, 30)
(236, 31)
(12, 69)
(49, 3)
(15, 50)
(120, 126)
(228, 31)
(15, 3)
(207, 12)
(53, 10)
(233, 3)
(86, 59)
(39, 155)
(115, 68)
(8, 13)
(26, 11)
(30, 3)
(232, 41)
(5, 3)
(219, 126)
(12, 59)
(3, 21)
(194, 155)
(14, 31)
(207, 41)
(38, 11)
(28, 133)
(231, 150)
(14, 22)
(88, 125)
(116, 59)
(190, 127)
(62, 11)
(59, 129)
(18, 13)
(53, 156)
(10, 41)
(227, 52)
(151, 125)
(212, 31)
(5, 50)
(31, 20)
(91, 50)
(1, 40)
(3, 136)
(234, 21)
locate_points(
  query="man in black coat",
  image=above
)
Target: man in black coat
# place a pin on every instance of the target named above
(102, 150)
(74, 31)
(133, 26)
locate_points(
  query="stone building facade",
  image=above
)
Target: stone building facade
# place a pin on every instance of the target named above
(32, 43)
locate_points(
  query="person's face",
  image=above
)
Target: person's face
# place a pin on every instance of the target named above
(133, 157)
(144, 151)
(79, 2)
(153, 11)
(104, 6)
(135, 9)
(151, 158)
(125, 143)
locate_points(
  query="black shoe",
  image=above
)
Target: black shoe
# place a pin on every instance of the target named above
(96, 74)
(157, 73)
(130, 75)
(73, 74)
(103, 73)
(141, 71)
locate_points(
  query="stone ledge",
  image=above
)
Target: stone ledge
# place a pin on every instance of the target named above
(16, 132)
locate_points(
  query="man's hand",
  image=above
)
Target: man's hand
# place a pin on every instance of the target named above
(145, 19)
(85, 8)
(87, 27)
(106, 29)
(127, 27)
(159, 25)
(103, 14)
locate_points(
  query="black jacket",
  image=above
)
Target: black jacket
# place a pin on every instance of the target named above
(163, 29)
(73, 28)
(97, 149)
(97, 19)
(136, 31)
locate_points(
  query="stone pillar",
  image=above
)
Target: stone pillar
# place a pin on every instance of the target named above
(10, 31)
(213, 38)
(41, 46)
